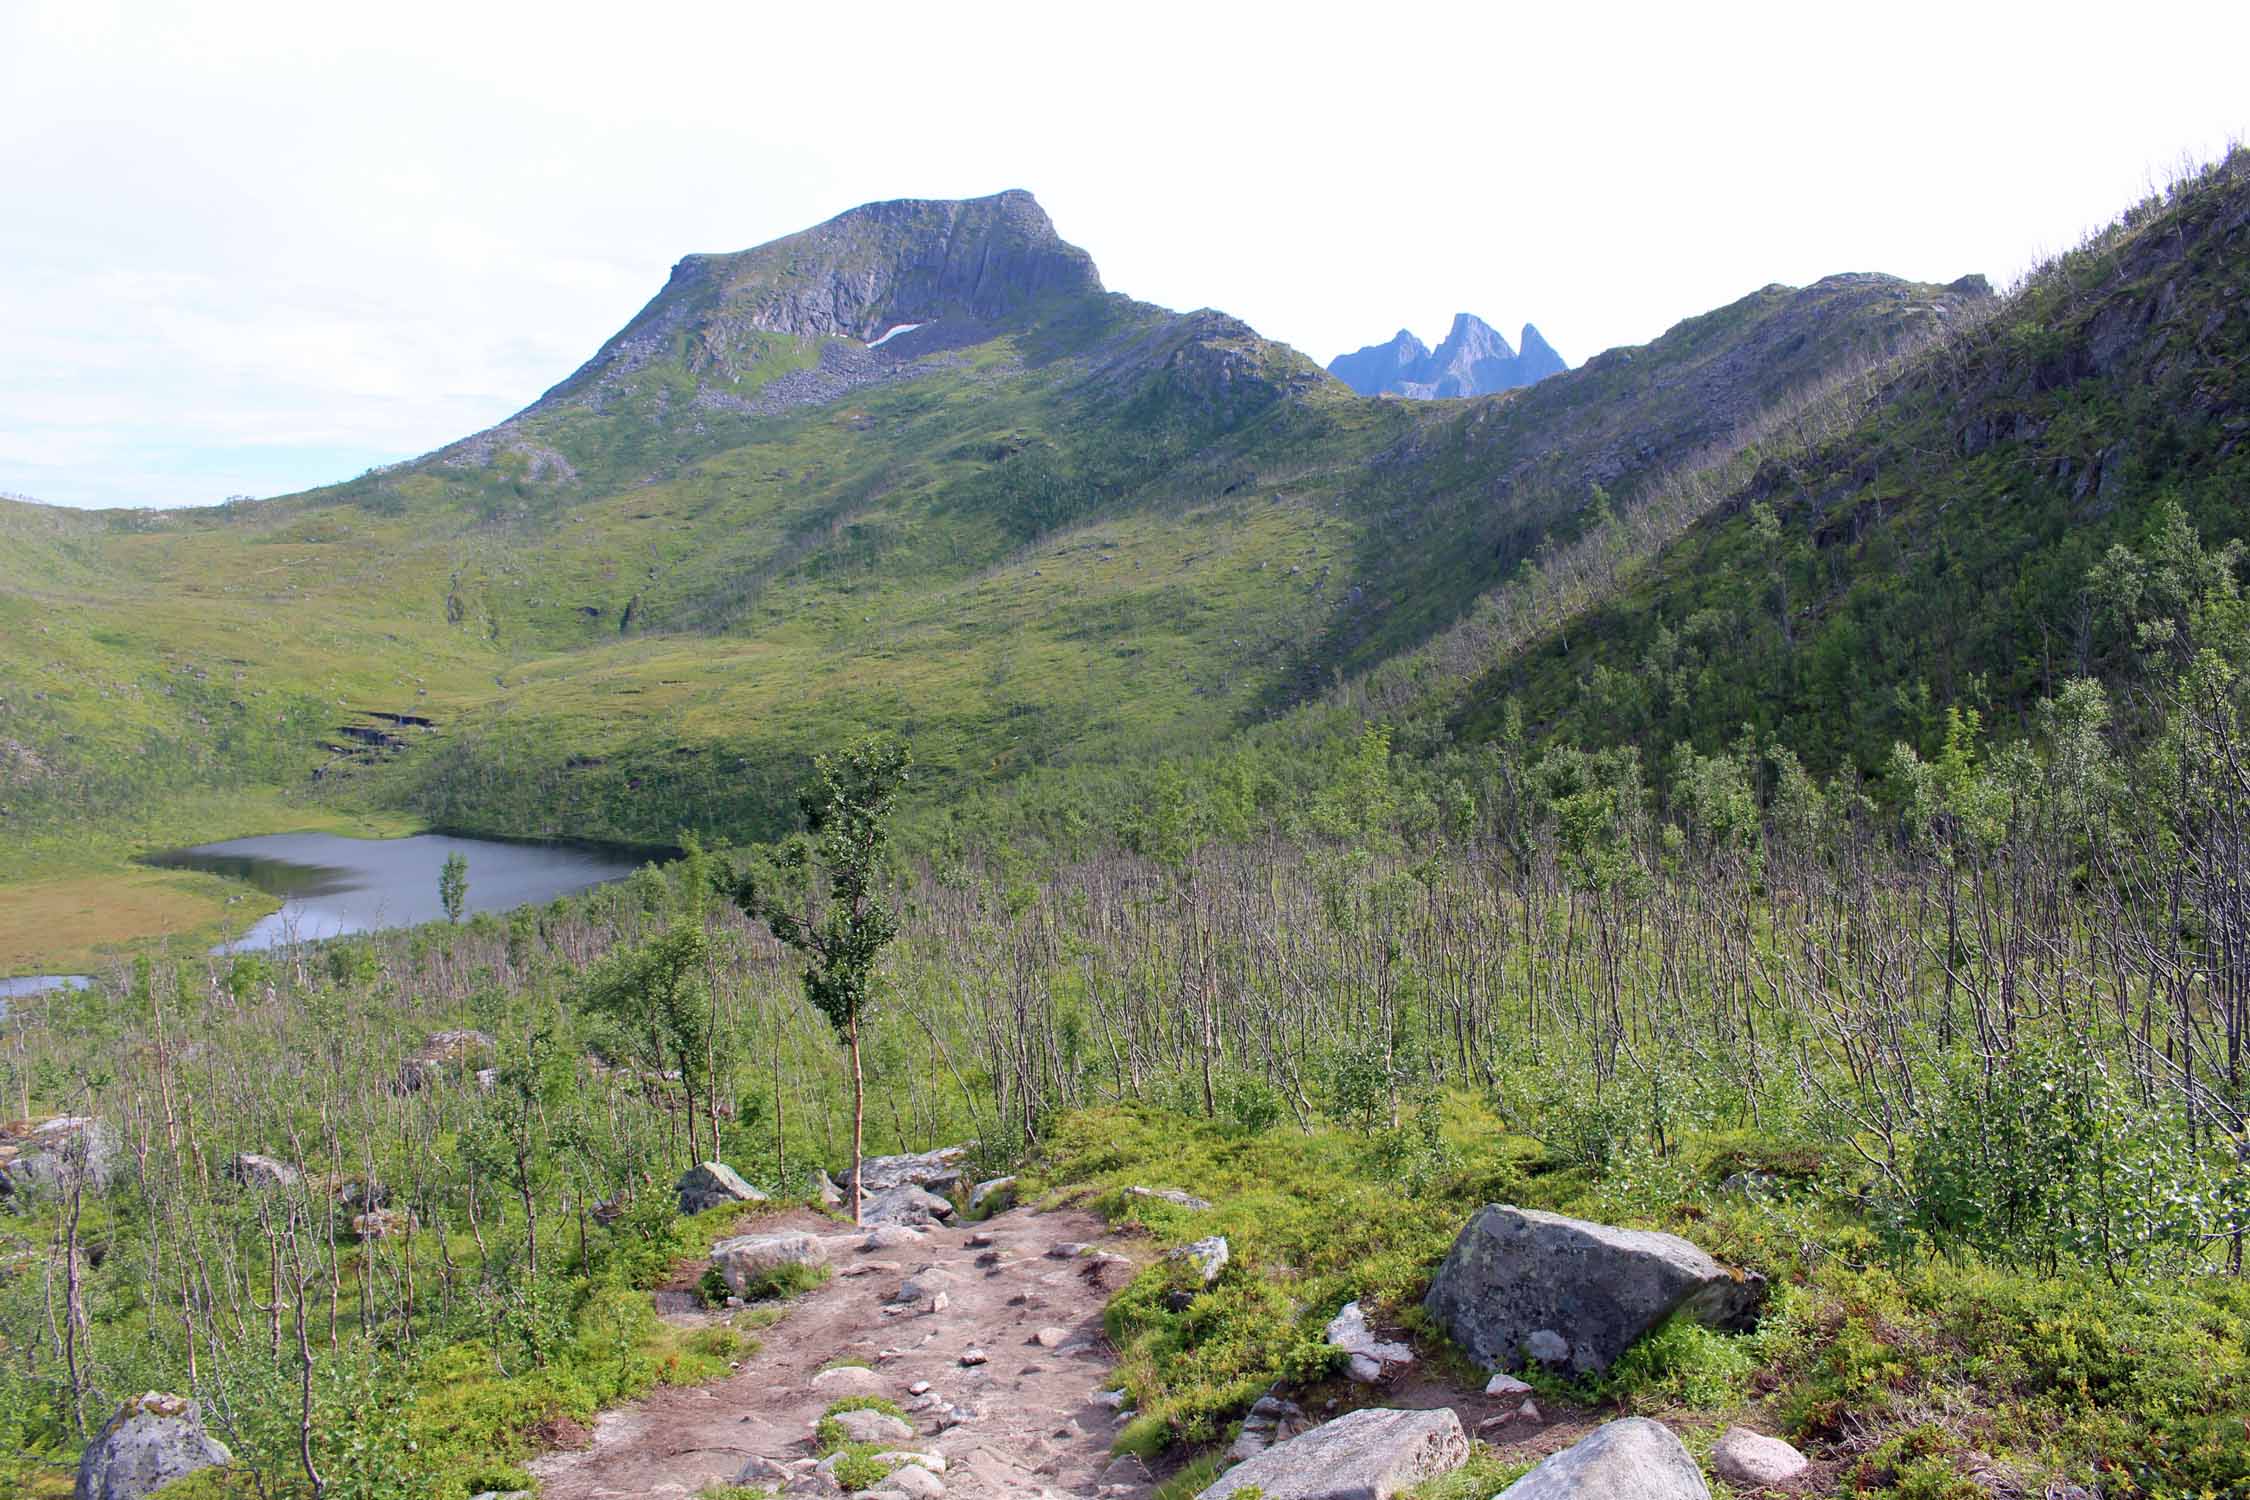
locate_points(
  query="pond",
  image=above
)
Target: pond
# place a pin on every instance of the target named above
(331, 885)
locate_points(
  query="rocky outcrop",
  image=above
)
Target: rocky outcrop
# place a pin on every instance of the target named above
(1369, 1454)
(1475, 359)
(1635, 1459)
(1522, 1286)
(936, 1170)
(857, 276)
(153, 1440)
(709, 1184)
(747, 1259)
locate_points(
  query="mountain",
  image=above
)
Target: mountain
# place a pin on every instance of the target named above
(1474, 360)
(1928, 543)
(1048, 526)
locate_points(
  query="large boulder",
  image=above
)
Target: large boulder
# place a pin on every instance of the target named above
(1635, 1459)
(1371, 1454)
(905, 1204)
(1522, 1285)
(153, 1440)
(56, 1154)
(936, 1170)
(712, 1183)
(748, 1258)
(443, 1053)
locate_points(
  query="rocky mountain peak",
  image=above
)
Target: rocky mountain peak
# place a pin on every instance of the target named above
(1475, 359)
(976, 263)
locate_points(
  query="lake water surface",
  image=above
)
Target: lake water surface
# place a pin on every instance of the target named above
(331, 885)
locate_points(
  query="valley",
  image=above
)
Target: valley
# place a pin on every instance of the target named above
(1671, 930)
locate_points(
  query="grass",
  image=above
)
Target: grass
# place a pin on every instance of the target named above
(1927, 1368)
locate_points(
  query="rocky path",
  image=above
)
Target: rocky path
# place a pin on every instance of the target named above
(1024, 1289)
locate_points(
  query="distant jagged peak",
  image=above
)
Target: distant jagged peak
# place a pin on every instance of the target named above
(1474, 359)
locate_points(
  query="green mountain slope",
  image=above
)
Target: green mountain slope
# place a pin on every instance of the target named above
(1046, 524)
(1938, 550)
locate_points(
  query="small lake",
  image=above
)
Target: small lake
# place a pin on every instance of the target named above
(39, 984)
(331, 885)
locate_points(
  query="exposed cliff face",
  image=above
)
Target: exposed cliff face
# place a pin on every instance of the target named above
(988, 261)
(1475, 359)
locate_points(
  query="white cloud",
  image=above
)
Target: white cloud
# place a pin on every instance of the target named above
(242, 244)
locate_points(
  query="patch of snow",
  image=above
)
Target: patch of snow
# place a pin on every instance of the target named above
(893, 332)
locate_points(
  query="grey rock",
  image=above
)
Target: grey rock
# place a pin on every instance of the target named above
(153, 1440)
(906, 1204)
(1520, 1283)
(1750, 1460)
(1208, 1256)
(1372, 1359)
(820, 1188)
(747, 1258)
(1370, 1454)
(1753, 1185)
(914, 1482)
(1172, 1196)
(710, 1184)
(872, 1427)
(893, 1237)
(1635, 1459)
(1546, 1347)
(57, 1154)
(929, 1282)
(1000, 1192)
(937, 1170)
(255, 1171)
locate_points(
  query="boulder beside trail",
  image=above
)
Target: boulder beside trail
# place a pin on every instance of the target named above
(1000, 1192)
(713, 1183)
(1370, 1454)
(936, 1170)
(1633, 1459)
(905, 1204)
(821, 1188)
(747, 1258)
(1522, 1285)
(153, 1440)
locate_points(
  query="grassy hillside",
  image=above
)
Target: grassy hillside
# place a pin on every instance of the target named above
(1050, 526)
(1941, 549)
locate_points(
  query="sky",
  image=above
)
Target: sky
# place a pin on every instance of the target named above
(249, 248)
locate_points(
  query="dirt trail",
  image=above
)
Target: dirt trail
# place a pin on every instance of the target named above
(1022, 1424)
